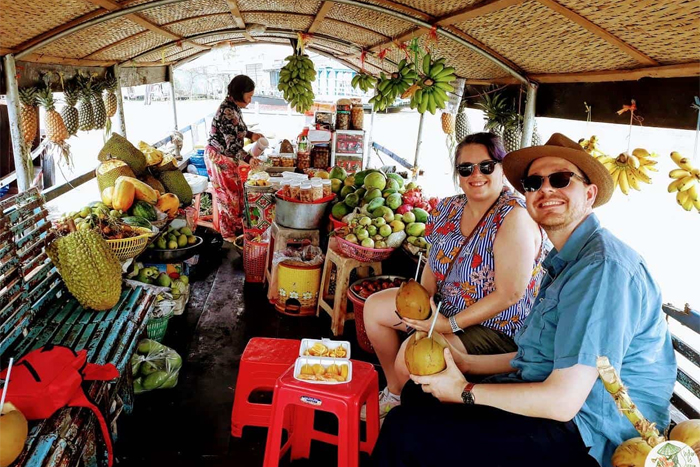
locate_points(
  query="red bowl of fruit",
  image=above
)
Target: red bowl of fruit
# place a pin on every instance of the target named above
(363, 288)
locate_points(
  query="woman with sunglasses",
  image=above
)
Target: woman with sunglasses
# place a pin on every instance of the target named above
(484, 261)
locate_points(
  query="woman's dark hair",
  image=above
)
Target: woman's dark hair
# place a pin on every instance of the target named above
(240, 85)
(492, 143)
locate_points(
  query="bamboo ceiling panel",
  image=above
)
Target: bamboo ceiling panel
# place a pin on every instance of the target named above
(24, 20)
(230, 36)
(179, 54)
(92, 39)
(307, 7)
(539, 40)
(179, 11)
(158, 55)
(279, 20)
(202, 25)
(668, 32)
(356, 35)
(438, 8)
(131, 47)
(126, 3)
(382, 23)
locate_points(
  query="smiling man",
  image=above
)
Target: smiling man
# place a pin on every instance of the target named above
(545, 406)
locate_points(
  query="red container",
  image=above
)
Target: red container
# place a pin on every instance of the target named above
(336, 223)
(243, 171)
(254, 256)
(358, 306)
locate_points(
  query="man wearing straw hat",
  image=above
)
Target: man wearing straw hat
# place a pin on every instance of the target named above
(546, 405)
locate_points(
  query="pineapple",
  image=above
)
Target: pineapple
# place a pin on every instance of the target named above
(98, 106)
(69, 113)
(109, 97)
(29, 114)
(462, 127)
(55, 128)
(448, 123)
(86, 116)
(502, 119)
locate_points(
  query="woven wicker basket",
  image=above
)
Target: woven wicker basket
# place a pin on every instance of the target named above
(360, 253)
(126, 248)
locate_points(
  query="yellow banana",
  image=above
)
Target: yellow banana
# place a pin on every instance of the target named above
(632, 180)
(683, 198)
(678, 173)
(693, 192)
(633, 161)
(687, 182)
(682, 162)
(696, 203)
(616, 176)
(641, 175)
(641, 153)
(674, 185)
(624, 183)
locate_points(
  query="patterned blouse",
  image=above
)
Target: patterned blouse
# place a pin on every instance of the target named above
(228, 131)
(472, 277)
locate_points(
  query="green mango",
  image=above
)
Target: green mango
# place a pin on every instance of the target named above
(360, 178)
(392, 184)
(170, 382)
(149, 346)
(352, 200)
(346, 190)
(148, 368)
(398, 178)
(421, 214)
(361, 192)
(186, 231)
(375, 203)
(393, 201)
(383, 211)
(173, 361)
(138, 385)
(340, 210)
(415, 229)
(372, 193)
(182, 241)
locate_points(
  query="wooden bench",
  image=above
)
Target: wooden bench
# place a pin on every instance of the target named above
(36, 309)
(685, 406)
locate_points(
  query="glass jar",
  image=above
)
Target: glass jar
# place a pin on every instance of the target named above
(357, 116)
(316, 190)
(303, 160)
(305, 193)
(327, 188)
(285, 189)
(287, 161)
(320, 156)
(342, 120)
(295, 190)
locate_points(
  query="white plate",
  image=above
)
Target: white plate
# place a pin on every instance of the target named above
(308, 343)
(326, 362)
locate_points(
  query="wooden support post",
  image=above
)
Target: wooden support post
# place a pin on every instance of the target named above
(419, 141)
(20, 150)
(529, 120)
(121, 121)
(370, 139)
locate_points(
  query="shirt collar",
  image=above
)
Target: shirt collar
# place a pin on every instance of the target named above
(557, 260)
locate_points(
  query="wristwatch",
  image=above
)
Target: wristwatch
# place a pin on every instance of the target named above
(468, 395)
(453, 324)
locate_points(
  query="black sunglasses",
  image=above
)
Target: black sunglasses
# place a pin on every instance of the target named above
(485, 167)
(556, 180)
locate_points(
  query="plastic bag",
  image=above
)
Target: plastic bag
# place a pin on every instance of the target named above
(308, 255)
(154, 366)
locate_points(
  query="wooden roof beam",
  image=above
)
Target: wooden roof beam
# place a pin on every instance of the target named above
(236, 13)
(320, 16)
(600, 32)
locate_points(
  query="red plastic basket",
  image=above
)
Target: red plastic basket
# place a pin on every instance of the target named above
(254, 256)
(358, 306)
(243, 171)
(336, 223)
(360, 253)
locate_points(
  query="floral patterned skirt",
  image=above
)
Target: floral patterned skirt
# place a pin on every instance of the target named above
(223, 173)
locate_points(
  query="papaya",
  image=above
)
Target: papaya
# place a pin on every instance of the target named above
(123, 195)
(143, 191)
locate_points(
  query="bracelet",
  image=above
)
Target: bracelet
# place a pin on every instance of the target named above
(453, 324)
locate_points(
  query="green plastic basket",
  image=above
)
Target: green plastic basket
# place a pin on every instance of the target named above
(157, 327)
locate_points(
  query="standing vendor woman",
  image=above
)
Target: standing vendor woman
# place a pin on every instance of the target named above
(225, 153)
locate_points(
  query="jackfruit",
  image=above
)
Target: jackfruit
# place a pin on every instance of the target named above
(175, 183)
(89, 268)
(153, 156)
(153, 182)
(168, 163)
(108, 171)
(118, 147)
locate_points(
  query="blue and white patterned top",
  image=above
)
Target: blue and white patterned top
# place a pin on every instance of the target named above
(472, 277)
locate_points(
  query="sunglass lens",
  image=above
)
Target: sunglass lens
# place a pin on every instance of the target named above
(532, 183)
(465, 170)
(487, 168)
(560, 179)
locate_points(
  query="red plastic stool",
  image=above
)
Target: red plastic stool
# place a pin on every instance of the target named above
(344, 400)
(263, 361)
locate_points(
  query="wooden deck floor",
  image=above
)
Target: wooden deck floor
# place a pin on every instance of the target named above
(189, 425)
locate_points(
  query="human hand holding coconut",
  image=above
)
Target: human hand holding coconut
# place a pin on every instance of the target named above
(442, 325)
(446, 385)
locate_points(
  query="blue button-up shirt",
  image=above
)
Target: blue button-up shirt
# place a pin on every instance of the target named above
(598, 299)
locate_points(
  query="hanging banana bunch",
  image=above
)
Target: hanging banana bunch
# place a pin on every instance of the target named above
(364, 80)
(434, 85)
(627, 170)
(685, 182)
(295, 82)
(395, 85)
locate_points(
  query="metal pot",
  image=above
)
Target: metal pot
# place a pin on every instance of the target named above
(303, 216)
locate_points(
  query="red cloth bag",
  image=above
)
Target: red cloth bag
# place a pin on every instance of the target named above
(50, 378)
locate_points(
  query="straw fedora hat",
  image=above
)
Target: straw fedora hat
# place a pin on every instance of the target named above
(516, 164)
